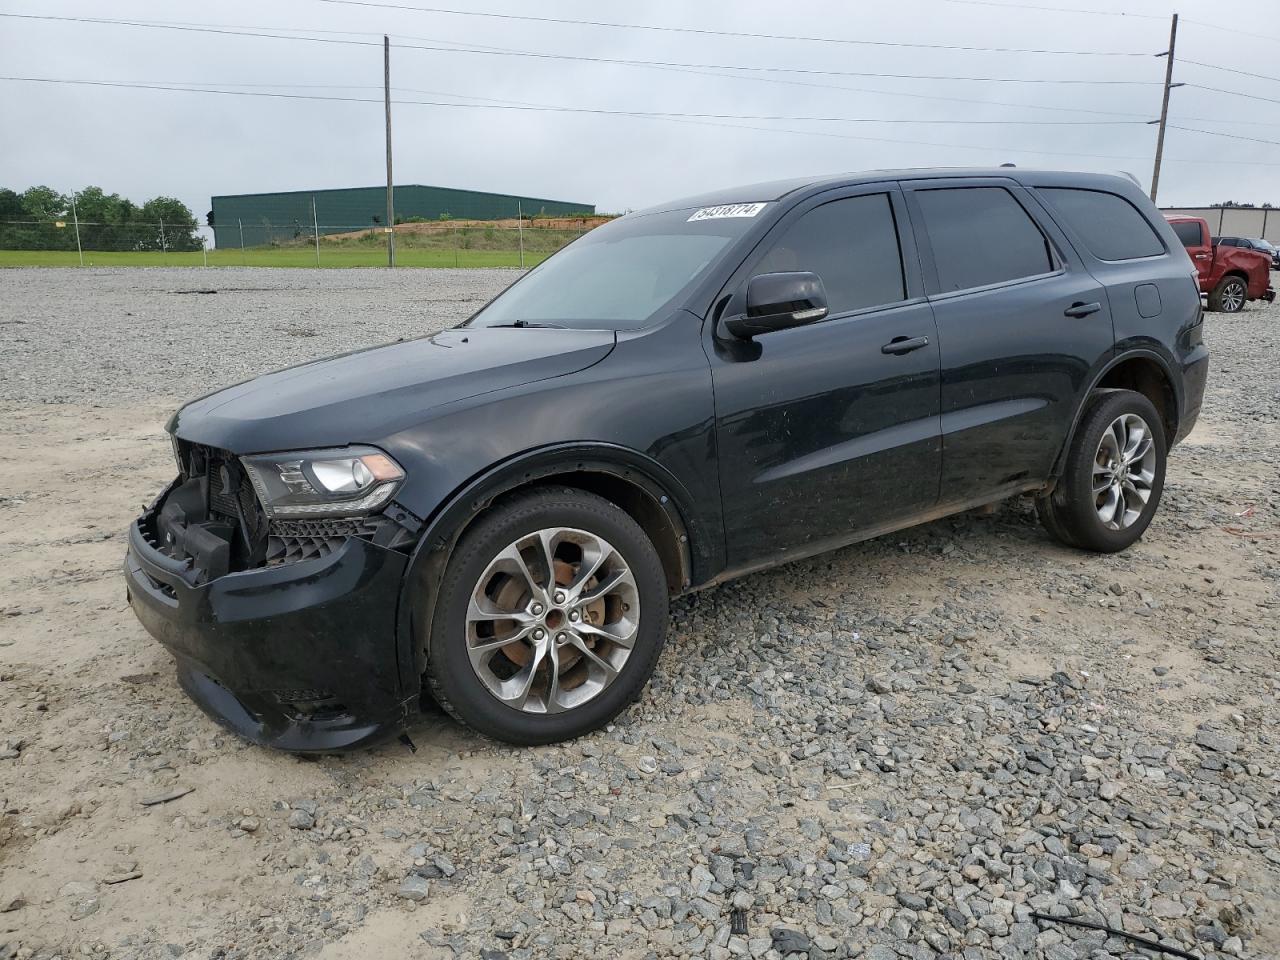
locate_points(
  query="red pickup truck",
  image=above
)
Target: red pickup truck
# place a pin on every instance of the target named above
(1229, 275)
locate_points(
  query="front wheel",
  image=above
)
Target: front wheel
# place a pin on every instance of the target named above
(551, 615)
(1229, 295)
(1113, 475)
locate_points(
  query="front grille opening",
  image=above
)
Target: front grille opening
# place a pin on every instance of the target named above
(289, 541)
(230, 505)
(217, 493)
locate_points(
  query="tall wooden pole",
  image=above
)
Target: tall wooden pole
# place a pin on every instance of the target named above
(1164, 107)
(81, 250)
(391, 203)
(315, 224)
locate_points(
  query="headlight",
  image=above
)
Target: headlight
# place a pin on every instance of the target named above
(347, 482)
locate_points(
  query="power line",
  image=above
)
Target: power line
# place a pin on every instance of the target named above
(467, 96)
(247, 31)
(704, 120)
(1254, 35)
(707, 70)
(232, 30)
(1234, 123)
(1243, 73)
(1244, 33)
(1229, 136)
(526, 103)
(654, 64)
(1092, 13)
(665, 65)
(1232, 93)
(696, 69)
(656, 114)
(528, 18)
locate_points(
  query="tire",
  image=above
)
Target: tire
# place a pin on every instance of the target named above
(495, 673)
(1229, 295)
(1110, 447)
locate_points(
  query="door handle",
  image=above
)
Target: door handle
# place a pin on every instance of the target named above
(1082, 309)
(1202, 256)
(900, 345)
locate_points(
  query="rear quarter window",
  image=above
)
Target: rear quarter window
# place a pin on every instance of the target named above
(1189, 233)
(1110, 227)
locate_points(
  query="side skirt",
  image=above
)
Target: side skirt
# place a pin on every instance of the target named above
(879, 530)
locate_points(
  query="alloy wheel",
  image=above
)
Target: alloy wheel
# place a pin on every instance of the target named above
(1124, 471)
(1233, 294)
(552, 620)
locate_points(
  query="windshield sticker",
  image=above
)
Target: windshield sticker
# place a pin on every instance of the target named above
(727, 210)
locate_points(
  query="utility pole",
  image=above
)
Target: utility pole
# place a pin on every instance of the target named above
(81, 250)
(1164, 106)
(391, 203)
(315, 223)
(520, 230)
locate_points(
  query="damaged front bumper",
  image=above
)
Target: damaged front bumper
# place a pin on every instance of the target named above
(298, 655)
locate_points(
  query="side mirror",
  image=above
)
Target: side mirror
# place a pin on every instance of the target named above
(780, 301)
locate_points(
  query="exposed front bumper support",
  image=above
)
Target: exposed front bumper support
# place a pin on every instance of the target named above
(299, 657)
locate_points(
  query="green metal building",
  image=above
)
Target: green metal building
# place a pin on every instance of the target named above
(281, 217)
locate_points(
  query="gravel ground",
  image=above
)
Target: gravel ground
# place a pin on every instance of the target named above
(901, 749)
(182, 332)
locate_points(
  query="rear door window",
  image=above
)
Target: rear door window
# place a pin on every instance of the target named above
(852, 244)
(1109, 225)
(981, 236)
(1189, 234)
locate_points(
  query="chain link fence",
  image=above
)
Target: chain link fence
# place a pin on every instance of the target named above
(436, 243)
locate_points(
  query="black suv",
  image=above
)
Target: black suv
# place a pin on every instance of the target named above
(498, 514)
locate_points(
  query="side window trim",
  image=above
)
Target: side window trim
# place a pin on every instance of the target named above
(1054, 239)
(1000, 285)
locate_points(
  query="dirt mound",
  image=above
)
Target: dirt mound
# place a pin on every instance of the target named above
(432, 227)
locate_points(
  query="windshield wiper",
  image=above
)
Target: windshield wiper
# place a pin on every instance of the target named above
(527, 323)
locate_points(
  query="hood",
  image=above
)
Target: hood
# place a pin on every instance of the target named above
(363, 396)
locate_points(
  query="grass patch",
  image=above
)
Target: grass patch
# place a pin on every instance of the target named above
(417, 245)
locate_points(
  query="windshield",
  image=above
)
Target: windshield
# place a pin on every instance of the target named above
(618, 276)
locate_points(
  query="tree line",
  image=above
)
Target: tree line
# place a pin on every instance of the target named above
(41, 218)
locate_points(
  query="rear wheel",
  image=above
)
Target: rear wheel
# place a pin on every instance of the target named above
(551, 615)
(1113, 476)
(1229, 295)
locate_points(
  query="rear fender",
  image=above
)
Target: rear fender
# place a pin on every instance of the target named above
(1175, 384)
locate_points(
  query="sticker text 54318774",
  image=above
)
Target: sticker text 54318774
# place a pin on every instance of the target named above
(727, 210)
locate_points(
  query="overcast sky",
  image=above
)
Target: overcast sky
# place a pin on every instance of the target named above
(142, 143)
